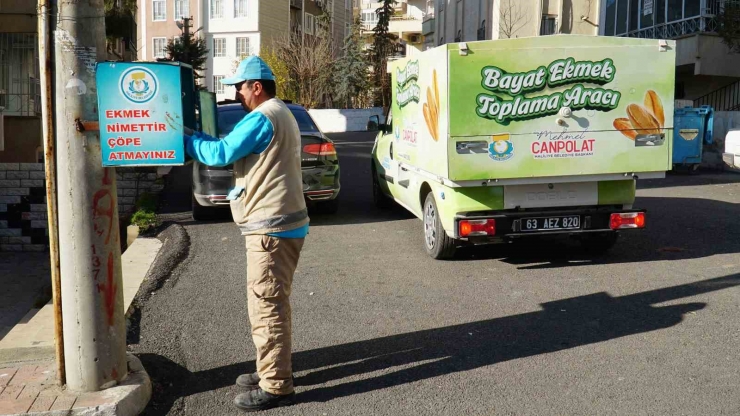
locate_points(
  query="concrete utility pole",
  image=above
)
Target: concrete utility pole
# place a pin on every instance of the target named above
(90, 251)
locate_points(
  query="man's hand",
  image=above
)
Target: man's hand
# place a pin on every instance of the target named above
(187, 130)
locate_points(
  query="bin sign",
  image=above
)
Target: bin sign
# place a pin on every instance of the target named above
(140, 114)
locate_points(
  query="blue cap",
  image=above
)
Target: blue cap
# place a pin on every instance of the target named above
(251, 68)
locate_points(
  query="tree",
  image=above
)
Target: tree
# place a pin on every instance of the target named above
(513, 16)
(352, 69)
(283, 80)
(310, 63)
(119, 21)
(383, 47)
(189, 49)
(728, 25)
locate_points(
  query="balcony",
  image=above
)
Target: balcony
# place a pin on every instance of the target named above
(705, 22)
(404, 24)
(296, 4)
(428, 26)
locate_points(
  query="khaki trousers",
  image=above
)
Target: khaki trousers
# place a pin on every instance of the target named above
(271, 262)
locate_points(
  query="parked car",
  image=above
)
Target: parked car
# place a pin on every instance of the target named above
(319, 163)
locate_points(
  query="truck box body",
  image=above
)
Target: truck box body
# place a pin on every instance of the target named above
(499, 110)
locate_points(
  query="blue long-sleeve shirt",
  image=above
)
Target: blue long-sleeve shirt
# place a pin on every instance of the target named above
(252, 135)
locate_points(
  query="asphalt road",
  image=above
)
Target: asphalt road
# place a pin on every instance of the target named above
(525, 329)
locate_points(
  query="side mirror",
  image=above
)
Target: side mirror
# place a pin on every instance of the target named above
(373, 124)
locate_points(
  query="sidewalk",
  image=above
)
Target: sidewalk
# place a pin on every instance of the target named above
(25, 278)
(27, 360)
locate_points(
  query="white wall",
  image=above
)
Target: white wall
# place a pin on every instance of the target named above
(337, 121)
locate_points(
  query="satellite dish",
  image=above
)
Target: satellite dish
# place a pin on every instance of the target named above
(179, 24)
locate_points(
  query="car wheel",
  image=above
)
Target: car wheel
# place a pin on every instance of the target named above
(599, 243)
(379, 198)
(436, 242)
(201, 213)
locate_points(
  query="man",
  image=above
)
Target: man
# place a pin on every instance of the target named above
(268, 206)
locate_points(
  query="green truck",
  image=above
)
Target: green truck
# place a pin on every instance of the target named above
(497, 140)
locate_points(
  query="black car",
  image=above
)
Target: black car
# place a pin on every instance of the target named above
(319, 163)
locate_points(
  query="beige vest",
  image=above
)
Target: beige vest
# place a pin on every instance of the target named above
(272, 200)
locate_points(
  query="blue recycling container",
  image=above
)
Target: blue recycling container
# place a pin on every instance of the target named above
(692, 129)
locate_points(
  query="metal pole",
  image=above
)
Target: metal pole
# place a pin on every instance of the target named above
(90, 252)
(47, 96)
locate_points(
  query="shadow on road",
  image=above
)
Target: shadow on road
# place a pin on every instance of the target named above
(560, 325)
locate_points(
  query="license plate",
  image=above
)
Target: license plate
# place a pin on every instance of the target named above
(571, 222)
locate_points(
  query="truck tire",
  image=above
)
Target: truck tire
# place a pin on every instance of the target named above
(436, 242)
(599, 243)
(379, 198)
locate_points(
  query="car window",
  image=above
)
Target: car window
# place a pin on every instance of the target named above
(305, 123)
(227, 120)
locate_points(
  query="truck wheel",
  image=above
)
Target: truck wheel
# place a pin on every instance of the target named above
(379, 198)
(436, 242)
(599, 243)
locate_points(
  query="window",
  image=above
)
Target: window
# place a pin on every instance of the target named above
(182, 8)
(242, 47)
(160, 47)
(675, 11)
(621, 17)
(549, 24)
(218, 87)
(240, 8)
(347, 29)
(691, 8)
(611, 15)
(219, 47)
(159, 10)
(646, 14)
(634, 13)
(309, 24)
(217, 9)
(369, 18)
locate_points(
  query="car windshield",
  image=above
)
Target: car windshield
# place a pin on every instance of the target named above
(228, 119)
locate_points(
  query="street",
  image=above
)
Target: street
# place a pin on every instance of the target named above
(521, 329)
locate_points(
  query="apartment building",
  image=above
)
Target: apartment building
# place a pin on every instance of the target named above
(158, 24)
(405, 23)
(20, 100)
(236, 28)
(706, 71)
(449, 21)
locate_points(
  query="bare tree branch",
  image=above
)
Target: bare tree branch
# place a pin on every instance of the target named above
(514, 16)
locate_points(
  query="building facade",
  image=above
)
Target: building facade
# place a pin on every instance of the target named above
(406, 24)
(20, 91)
(449, 21)
(706, 71)
(233, 29)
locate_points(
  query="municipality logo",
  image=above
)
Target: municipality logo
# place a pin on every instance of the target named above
(139, 85)
(501, 148)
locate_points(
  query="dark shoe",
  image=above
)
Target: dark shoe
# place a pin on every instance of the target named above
(248, 381)
(251, 381)
(258, 399)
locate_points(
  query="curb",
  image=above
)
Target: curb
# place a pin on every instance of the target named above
(126, 399)
(175, 248)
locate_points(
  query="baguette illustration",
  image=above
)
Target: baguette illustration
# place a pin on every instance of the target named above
(431, 108)
(655, 106)
(624, 125)
(642, 120)
(649, 119)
